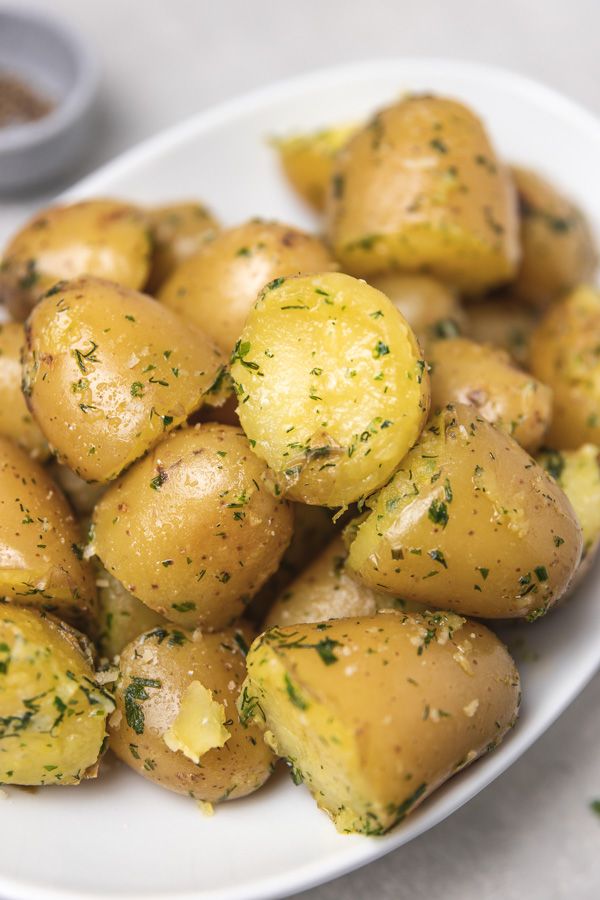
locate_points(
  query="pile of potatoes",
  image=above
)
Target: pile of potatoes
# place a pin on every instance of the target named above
(261, 490)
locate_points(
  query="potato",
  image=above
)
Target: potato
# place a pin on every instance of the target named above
(105, 238)
(176, 722)
(52, 710)
(578, 474)
(81, 495)
(307, 160)
(564, 355)
(503, 322)
(326, 590)
(217, 287)
(431, 308)
(178, 231)
(122, 617)
(463, 371)
(192, 529)
(332, 386)
(374, 713)
(108, 371)
(16, 421)
(420, 189)
(558, 247)
(469, 523)
(40, 544)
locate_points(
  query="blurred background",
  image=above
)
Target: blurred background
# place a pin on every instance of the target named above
(532, 833)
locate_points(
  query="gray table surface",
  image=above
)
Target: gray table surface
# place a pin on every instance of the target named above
(532, 833)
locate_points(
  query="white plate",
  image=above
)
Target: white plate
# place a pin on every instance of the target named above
(122, 837)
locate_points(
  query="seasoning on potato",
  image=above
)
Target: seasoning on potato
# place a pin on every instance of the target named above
(558, 248)
(578, 474)
(308, 159)
(178, 231)
(470, 523)
(420, 189)
(564, 355)
(105, 238)
(374, 713)
(107, 371)
(52, 709)
(216, 288)
(41, 551)
(503, 322)
(463, 371)
(192, 529)
(121, 616)
(332, 387)
(176, 721)
(431, 308)
(16, 422)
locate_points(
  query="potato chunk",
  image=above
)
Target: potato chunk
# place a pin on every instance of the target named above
(308, 159)
(16, 422)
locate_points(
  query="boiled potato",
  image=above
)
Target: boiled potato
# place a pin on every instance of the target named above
(374, 713)
(469, 523)
(503, 322)
(178, 231)
(217, 287)
(176, 721)
(431, 308)
(16, 421)
(326, 590)
(420, 189)
(578, 473)
(81, 495)
(307, 160)
(121, 616)
(192, 529)
(558, 247)
(565, 355)
(106, 238)
(40, 544)
(108, 371)
(332, 386)
(52, 710)
(463, 371)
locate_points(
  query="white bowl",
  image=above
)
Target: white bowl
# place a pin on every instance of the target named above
(123, 837)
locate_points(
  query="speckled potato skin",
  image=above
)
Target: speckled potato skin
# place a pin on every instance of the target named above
(52, 711)
(470, 523)
(217, 288)
(558, 248)
(419, 189)
(178, 231)
(503, 322)
(307, 160)
(107, 371)
(105, 238)
(40, 543)
(564, 355)
(430, 307)
(192, 529)
(332, 386)
(121, 616)
(375, 713)
(327, 590)
(161, 664)
(16, 422)
(463, 371)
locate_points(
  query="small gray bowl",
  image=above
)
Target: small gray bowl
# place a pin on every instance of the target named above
(48, 55)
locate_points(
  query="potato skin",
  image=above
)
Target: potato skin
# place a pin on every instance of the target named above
(105, 238)
(41, 561)
(504, 322)
(121, 616)
(155, 670)
(178, 231)
(16, 421)
(375, 713)
(332, 386)
(469, 523)
(463, 371)
(107, 371)
(216, 288)
(564, 355)
(578, 474)
(222, 532)
(558, 248)
(419, 189)
(308, 159)
(50, 703)
(431, 308)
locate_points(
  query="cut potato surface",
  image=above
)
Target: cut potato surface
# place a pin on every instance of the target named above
(308, 159)
(332, 387)
(374, 713)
